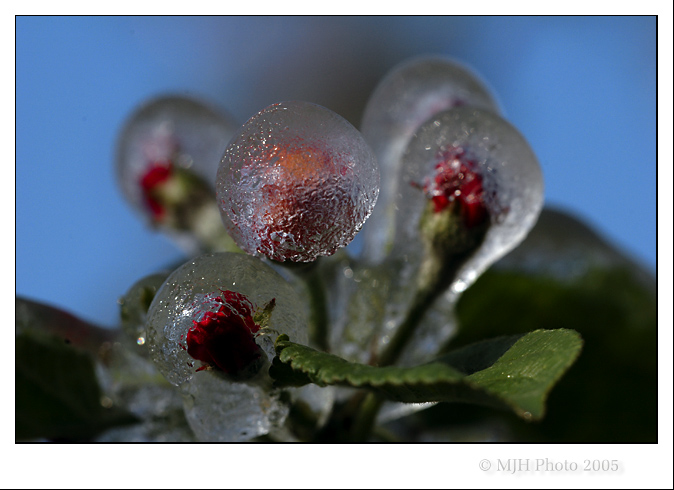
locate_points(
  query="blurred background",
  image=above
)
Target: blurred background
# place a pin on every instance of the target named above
(582, 90)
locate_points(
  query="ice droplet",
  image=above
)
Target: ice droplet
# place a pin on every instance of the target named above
(409, 95)
(510, 176)
(197, 287)
(296, 182)
(502, 196)
(219, 405)
(178, 138)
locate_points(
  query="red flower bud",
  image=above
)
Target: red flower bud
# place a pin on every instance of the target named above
(456, 179)
(224, 339)
(156, 174)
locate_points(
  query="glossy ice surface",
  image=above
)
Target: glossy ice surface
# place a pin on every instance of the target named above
(221, 411)
(193, 290)
(408, 96)
(297, 182)
(511, 177)
(180, 130)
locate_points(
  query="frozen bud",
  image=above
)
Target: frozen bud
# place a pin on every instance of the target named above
(471, 190)
(456, 181)
(409, 95)
(220, 312)
(211, 330)
(296, 182)
(224, 338)
(167, 158)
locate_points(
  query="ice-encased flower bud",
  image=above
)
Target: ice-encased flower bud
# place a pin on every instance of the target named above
(167, 158)
(217, 290)
(471, 186)
(211, 330)
(410, 94)
(470, 190)
(296, 182)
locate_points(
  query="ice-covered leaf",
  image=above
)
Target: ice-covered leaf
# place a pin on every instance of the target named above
(131, 381)
(515, 373)
(57, 395)
(134, 306)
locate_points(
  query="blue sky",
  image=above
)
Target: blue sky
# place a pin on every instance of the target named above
(582, 90)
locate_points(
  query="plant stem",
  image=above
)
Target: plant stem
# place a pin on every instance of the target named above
(405, 330)
(318, 320)
(436, 273)
(310, 273)
(365, 417)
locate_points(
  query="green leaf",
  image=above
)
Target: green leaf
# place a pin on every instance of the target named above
(614, 310)
(57, 395)
(513, 373)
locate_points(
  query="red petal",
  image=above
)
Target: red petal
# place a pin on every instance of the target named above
(225, 338)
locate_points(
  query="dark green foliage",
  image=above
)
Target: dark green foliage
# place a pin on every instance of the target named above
(515, 372)
(610, 394)
(57, 395)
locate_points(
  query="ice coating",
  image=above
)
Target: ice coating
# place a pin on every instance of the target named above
(218, 410)
(409, 95)
(167, 158)
(195, 290)
(183, 131)
(509, 173)
(132, 382)
(134, 306)
(296, 182)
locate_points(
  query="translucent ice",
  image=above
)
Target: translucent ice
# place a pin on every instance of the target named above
(378, 298)
(167, 158)
(134, 306)
(132, 382)
(196, 291)
(219, 410)
(211, 330)
(491, 173)
(296, 182)
(409, 95)
(510, 173)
